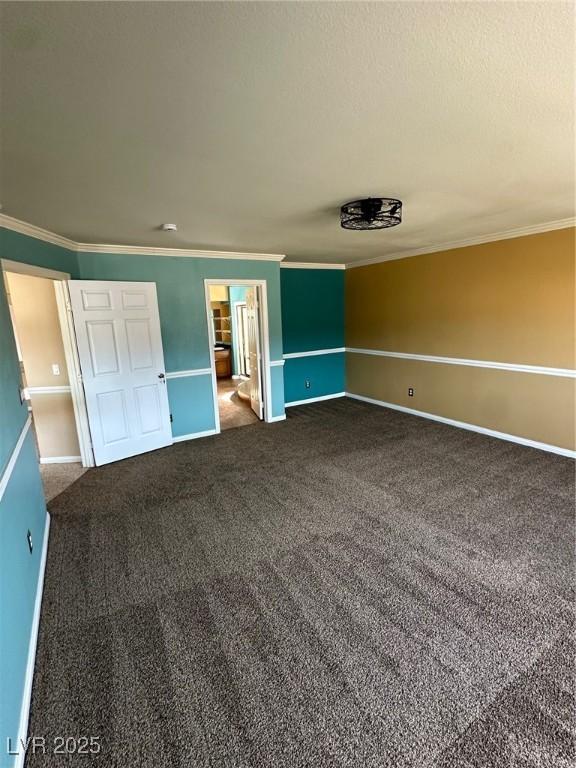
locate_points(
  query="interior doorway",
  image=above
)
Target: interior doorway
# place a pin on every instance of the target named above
(239, 350)
(48, 375)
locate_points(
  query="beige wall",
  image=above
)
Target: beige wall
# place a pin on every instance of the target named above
(35, 316)
(218, 293)
(510, 301)
(55, 425)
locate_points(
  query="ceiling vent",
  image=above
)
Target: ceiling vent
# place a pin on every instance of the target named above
(371, 213)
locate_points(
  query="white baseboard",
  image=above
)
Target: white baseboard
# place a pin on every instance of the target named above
(194, 435)
(315, 399)
(276, 418)
(61, 460)
(28, 680)
(471, 427)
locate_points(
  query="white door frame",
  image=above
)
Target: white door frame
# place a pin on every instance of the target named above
(59, 280)
(262, 297)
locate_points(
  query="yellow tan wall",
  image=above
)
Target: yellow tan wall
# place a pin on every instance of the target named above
(35, 316)
(510, 301)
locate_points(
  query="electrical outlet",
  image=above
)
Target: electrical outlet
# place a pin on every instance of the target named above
(171, 418)
(29, 539)
(410, 392)
(55, 369)
(307, 383)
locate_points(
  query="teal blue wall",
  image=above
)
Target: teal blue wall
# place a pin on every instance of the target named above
(191, 404)
(29, 250)
(313, 319)
(22, 507)
(326, 374)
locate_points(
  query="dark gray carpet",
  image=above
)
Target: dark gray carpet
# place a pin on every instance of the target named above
(351, 587)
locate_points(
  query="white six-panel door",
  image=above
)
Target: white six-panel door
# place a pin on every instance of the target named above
(120, 350)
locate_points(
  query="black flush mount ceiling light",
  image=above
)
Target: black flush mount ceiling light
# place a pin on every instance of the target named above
(371, 213)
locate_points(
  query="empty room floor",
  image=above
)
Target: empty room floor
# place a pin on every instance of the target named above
(57, 477)
(351, 587)
(234, 412)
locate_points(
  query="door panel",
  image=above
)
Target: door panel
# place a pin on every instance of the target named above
(103, 347)
(254, 352)
(134, 300)
(148, 408)
(92, 299)
(120, 350)
(112, 416)
(139, 344)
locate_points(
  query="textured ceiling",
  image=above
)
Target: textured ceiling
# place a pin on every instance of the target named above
(248, 124)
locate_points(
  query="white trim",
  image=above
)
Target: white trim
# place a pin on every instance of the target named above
(48, 390)
(21, 268)
(5, 479)
(262, 300)
(16, 225)
(74, 373)
(471, 427)
(61, 460)
(569, 373)
(8, 222)
(194, 435)
(31, 662)
(308, 265)
(136, 250)
(192, 372)
(276, 362)
(232, 281)
(315, 352)
(509, 234)
(315, 399)
(277, 418)
(211, 345)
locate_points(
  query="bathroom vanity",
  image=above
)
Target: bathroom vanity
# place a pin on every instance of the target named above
(223, 362)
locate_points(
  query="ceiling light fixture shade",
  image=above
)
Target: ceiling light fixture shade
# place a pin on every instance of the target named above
(371, 213)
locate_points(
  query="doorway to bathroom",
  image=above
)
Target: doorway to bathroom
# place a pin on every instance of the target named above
(237, 321)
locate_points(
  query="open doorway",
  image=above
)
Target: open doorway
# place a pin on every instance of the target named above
(238, 342)
(48, 376)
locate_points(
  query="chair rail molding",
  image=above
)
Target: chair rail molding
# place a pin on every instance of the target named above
(314, 353)
(191, 372)
(543, 370)
(9, 468)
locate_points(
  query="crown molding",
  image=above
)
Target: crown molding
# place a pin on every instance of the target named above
(8, 222)
(509, 234)
(136, 250)
(309, 265)
(24, 228)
